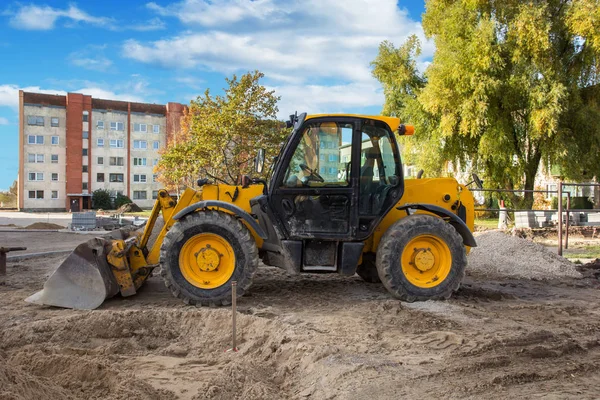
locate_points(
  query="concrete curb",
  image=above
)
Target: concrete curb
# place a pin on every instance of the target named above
(28, 230)
(34, 255)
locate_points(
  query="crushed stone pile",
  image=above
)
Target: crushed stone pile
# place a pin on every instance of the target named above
(127, 208)
(498, 254)
(44, 225)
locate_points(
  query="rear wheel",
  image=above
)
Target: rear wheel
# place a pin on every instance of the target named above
(421, 257)
(203, 253)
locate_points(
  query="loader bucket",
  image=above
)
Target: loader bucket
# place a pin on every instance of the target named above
(83, 281)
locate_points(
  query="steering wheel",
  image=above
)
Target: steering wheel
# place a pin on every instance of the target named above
(312, 175)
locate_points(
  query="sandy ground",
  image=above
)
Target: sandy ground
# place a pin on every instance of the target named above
(37, 242)
(309, 337)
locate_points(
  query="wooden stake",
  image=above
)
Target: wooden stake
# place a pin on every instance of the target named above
(234, 312)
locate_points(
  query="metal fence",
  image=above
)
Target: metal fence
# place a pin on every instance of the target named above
(563, 227)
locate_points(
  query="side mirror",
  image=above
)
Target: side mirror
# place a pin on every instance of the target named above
(259, 161)
(478, 182)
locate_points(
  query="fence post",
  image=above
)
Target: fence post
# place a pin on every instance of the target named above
(567, 220)
(560, 210)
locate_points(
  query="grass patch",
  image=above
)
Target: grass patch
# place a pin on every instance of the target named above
(587, 251)
(145, 213)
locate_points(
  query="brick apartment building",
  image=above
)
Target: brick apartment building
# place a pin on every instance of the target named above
(71, 145)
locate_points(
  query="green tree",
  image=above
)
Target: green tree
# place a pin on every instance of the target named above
(101, 199)
(121, 200)
(512, 85)
(221, 134)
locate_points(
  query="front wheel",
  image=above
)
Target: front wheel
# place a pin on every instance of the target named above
(203, 253)
(421, 257)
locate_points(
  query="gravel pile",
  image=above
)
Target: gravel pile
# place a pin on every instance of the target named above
(499, 254)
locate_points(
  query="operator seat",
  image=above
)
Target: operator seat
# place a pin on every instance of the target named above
(366, 180)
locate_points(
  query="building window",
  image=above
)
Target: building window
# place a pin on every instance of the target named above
(137, 161)
(139, 178)
(154, 178)
(140, 144)
(100, 142)
(84, 186)
(35, 139)
(54, 194)
(115, 161)
(84, 168)
(54, 140)
(154, 194)
(156, 145)
(115, 177)
(84, 152)
(140, 128)
(156, 128)
(117, 143)
(117, 126)
(36, 176)
(54, 122)
(100, 177)
(155, 162)
(100, 125)
(86, 116)
(332, 157)
(100, 160)
(35, 158)
(35, 120)
(85, 134)
(36, 194)
(54, 177)
(54, 158)
(139, 195)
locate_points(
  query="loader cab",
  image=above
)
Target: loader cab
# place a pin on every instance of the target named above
(336, 178)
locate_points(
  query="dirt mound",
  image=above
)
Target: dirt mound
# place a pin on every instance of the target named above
(44, 225)
(498, 254)
(128, 208)
(17, 384)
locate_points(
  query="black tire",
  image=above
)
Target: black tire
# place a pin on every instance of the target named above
(368, 269)
(390, 250)
(229, 228)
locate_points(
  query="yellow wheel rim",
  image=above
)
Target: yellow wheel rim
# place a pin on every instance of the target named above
(426, 261)
(207, 260)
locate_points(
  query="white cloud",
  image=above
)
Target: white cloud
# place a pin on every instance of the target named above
(155, 24)
(33, 17)
(3, 121)
(327, 99)
(100, 93)
(190, 81)
(44, 17)
(317, 53)
(93, 63)
(9, 94)
(92, 58)
(217, 12)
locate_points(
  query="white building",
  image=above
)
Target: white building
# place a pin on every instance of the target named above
(72, 145)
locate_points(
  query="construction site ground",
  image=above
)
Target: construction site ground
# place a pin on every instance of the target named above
(524, 324)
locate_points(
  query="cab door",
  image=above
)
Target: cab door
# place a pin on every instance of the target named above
(313, 193)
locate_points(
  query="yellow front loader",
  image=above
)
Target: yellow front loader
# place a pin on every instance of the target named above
(336, 202)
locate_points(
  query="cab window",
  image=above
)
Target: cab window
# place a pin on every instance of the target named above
(322, 157)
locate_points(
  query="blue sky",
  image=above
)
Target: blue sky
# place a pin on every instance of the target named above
(315, 53)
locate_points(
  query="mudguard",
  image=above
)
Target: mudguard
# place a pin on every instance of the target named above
(237, 211)
(454, 220)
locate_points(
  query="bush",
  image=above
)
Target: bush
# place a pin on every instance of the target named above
(101, 199)
(121, 199)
